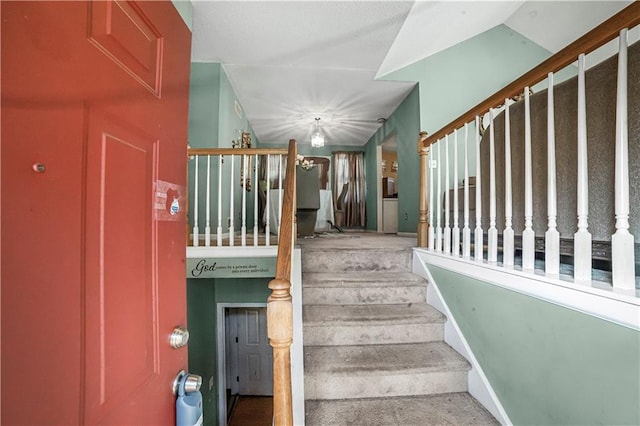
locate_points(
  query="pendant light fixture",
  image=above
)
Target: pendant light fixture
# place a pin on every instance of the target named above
(317, 138)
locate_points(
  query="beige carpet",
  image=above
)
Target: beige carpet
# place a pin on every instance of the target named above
(252, 411)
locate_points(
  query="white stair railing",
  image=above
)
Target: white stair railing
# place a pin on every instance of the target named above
(243, 183)
(446, 240)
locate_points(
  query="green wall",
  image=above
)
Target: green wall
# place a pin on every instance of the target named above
(548, 365)
(405, 124)
(202, 296)
(213, 123)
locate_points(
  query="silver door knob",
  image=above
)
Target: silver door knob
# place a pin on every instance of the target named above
(179, 337)
(191, 382)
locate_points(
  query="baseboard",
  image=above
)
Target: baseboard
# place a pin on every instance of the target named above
(478, 384)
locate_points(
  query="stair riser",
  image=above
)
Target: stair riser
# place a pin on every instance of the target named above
(356, 260)
(377, 386)
(361, 296)
(372, 334)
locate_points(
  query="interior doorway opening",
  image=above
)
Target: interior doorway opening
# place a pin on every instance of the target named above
(388, 185)
(244, 356)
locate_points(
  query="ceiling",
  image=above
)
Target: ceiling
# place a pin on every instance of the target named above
(289, 62)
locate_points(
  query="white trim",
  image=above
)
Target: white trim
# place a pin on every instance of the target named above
(221, 352)
(477, 382)
(379, 187)
(297, 350)
(616, 307)
(236, 251)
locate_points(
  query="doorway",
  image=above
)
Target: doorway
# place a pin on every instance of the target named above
(388, 185)
(244, 355)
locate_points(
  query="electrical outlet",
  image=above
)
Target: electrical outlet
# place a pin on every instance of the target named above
(406, 216)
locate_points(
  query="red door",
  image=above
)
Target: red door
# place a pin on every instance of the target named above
(94, 136)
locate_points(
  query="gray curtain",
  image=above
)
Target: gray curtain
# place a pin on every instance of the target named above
(348, 167)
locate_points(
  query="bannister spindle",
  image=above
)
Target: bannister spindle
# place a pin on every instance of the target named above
(528, 235)
(256, 188)
(207, 226)
(196, 231)
(455, 231)
(466, 231)
(219, 229)
(439, 203)
(243, 227)
(508, 234)
(552, 236)
(267, 208)
(432, 235)
(582, 238)
(447, 229)
(478, 237)
(622, 241)
(492, 252)
(231, 199)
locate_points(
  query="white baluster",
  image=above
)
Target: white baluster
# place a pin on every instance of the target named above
(622, 241)
(207, 226)
(280, 192)
(508, 234)
(219, 230)
(196, 231)
(267, 231)
(231, 206)
(582, 238)
(256, 217)
(439, 203)
(466, 231)
(492, 252)
(432, 235)
(528, 235)
(552, 236)
(245, 178)
(478, 237)
(447, 229)
(455, 232)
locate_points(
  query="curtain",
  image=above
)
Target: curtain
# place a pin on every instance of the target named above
(274, 167)
(348, 167)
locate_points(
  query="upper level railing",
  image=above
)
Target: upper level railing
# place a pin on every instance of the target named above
(236, 196)
(438, 235)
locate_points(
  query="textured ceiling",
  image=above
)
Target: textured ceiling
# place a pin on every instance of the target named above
(289, 62)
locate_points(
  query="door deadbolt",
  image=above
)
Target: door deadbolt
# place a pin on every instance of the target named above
(179, 337)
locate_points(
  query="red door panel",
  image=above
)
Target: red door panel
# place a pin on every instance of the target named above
(92, 277)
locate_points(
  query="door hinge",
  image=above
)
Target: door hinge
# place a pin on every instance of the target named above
(236, 340)
(237, 378)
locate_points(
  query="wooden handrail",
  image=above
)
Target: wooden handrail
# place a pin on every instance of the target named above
(602, 34)
(279, 307)
(237, 151)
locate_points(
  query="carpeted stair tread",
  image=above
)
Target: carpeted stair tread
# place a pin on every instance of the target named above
(440, 409)
(377, 360)
(344, 315)
(356, 260)
(362, 279)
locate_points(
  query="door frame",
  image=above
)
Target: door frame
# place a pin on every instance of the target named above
(221, 353)
(379, 187)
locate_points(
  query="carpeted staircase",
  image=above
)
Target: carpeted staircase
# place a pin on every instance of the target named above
(374, 350)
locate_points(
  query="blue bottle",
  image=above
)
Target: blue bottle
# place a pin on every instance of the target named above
(189, 404)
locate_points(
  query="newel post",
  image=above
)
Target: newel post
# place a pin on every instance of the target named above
(423, 224)
(280, 331)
